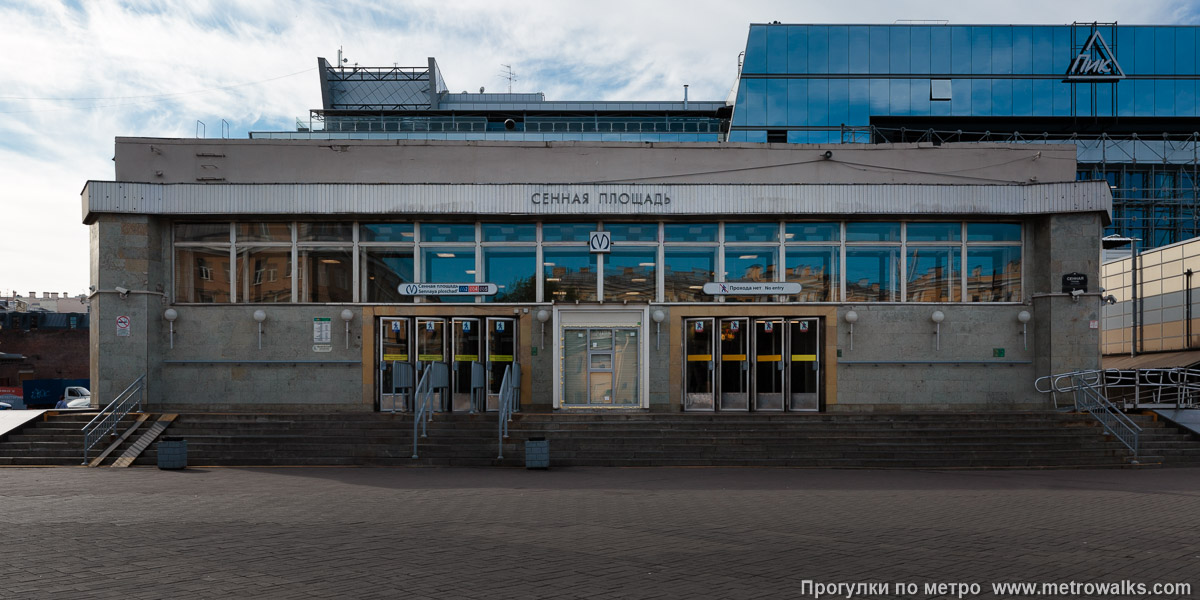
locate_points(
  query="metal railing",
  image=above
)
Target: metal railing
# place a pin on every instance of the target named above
(505, 408)
(106, 422)
(422, 406)
(1153, 388)
(1088, 389)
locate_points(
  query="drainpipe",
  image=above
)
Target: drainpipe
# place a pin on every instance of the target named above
(1188, 311)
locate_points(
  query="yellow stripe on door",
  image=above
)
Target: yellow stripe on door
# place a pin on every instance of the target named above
(501, 357)
(699, 357)
(770, 357)
(733, 357)
(395, 357)
(804, 357)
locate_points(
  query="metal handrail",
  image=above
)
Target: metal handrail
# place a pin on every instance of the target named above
(1090, 399)
(506, 404)
(106, 422)
(422, 409)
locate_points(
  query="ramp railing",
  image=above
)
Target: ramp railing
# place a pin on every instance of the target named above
(505, 407)
(435, 377)
(1087, 388)
(106, 422)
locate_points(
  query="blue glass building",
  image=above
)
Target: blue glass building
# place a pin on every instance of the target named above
(1126, 95)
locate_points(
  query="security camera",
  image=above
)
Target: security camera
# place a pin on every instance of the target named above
(122, 291)
(1076, 293)
(1110, 299)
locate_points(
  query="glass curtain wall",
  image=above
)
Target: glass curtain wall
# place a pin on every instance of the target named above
(857, 261)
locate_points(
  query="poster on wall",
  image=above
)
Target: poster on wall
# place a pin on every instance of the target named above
(123, 326)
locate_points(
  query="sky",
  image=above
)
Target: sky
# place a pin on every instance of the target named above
(79, 73)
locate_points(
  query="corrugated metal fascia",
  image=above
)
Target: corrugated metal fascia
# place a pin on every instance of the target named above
(502, 199)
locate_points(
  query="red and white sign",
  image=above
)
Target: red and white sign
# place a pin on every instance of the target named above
(123, 326)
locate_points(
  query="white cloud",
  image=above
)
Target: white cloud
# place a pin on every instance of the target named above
(117, 59)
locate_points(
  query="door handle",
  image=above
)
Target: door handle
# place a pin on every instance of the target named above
(710, 365)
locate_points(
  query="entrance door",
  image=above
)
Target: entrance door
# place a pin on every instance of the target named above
(431, 348)
(395, 365)
(768, 364)
(803, 358)
(734, 371)
(501, 349)
(600, 367)
(698, 380)
(466, 340)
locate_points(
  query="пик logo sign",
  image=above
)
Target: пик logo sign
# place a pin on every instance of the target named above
(1095, 62)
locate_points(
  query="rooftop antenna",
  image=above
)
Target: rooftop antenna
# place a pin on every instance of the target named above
(509, 75)
(341, 61)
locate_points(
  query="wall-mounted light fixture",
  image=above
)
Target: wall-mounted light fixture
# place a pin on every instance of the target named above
(1024, 317)
(347, 316)
(260, 316)
(543, 315)
(851, 317)
(170, 315)
(658, 315)
(937, 317)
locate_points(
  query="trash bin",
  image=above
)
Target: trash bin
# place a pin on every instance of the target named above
(172, 453)
(537, 453)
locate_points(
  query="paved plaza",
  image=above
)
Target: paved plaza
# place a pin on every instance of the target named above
(588, 533)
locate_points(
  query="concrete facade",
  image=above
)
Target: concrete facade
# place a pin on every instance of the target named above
(979, 361)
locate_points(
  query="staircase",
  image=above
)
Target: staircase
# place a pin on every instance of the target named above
(911, 441)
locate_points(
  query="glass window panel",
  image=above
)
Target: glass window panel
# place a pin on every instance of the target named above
(447, 232)
(839, 104)
(993, 232)
(202, 232)
(818, 102)
(264, 275)
(881, 99)
(326, 274)
(1164, 98)
(918, 97)
(1002, 98)
(812, 232)
(934, 232)
(625, 367)
(448, 265)
(777, 39)
(629, 274)
(1044, 58)
(1002, 50)
(514, 271)
(1164, 50)
(994, 274)
(567, 232)
(1022, 97)
(880, 50)
(934, 274)
(797, 102)
(815, 269)
(960, 100)
(899, 96)
(919, 60)
(797, 49)
(325, 232)
(633, 232)
(202, 274)
(960, 59)
(264, 232)
(818, 49)
(570, 274)
(385, 270)
(685, 271)
(859, 109)
(509, 232)
(752, 232)
(981, 50)
(839, 48)
(1022, 49)
(860, 49)
(750, 263)
(755, 106)
(777, 102)
(867, 231)
(756, 50)
(386, 232)
(981, 97)
(872, 274)
(900, 50)
(690, 232)
(940, 50)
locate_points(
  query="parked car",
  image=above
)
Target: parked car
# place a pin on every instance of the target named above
(75, 397)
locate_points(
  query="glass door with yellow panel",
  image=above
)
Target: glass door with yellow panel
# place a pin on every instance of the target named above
(698, 373)
(768, 366)
(803, 365)
(733, 371)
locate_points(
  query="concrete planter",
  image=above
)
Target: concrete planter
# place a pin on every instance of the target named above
(537, 453)
(172, 453)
